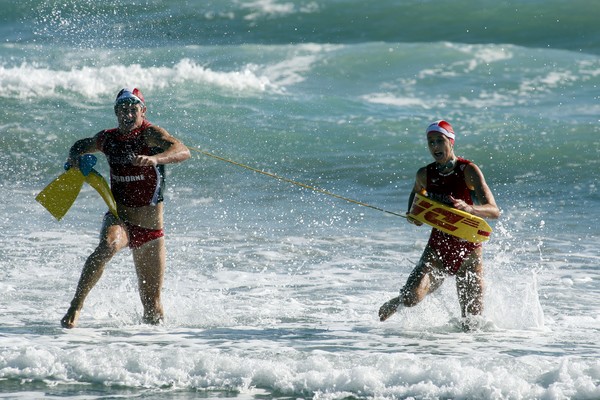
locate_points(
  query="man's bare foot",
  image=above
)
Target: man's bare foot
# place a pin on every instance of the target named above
(389, 308)
(153, 319)
(70, 319)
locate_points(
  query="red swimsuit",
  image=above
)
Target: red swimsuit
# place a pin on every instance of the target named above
(133, 186)
(450, 249)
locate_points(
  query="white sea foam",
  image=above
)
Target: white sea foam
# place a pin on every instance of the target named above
(295, 317)
(33, 81)
(390, 99)
(270, 8)
(37, 81)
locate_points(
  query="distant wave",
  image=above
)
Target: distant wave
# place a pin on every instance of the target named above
(552, 24)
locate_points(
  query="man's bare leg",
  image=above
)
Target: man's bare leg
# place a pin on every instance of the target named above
(91, 273)
(150, 260)
(113, 239)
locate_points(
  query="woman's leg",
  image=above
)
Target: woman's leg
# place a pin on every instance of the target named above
(424, 279)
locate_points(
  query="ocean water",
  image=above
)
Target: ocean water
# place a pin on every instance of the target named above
(272, 289)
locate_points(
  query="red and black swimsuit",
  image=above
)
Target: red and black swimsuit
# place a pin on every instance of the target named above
(451, 249)
(132, 186)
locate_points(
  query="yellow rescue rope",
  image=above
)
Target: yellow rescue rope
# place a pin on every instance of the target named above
(303, 185)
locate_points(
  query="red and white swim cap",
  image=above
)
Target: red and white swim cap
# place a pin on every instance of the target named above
(127, 95)
(443, 127)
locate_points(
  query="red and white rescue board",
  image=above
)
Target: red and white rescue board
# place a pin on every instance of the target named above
(450, 220)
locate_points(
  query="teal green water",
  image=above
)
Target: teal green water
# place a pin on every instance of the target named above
(272, 289)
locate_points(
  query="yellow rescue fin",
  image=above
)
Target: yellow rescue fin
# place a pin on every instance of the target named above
(97, 181)
(61, 193)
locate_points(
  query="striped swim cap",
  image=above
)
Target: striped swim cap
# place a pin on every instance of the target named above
(134, 96)
(443, 127)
